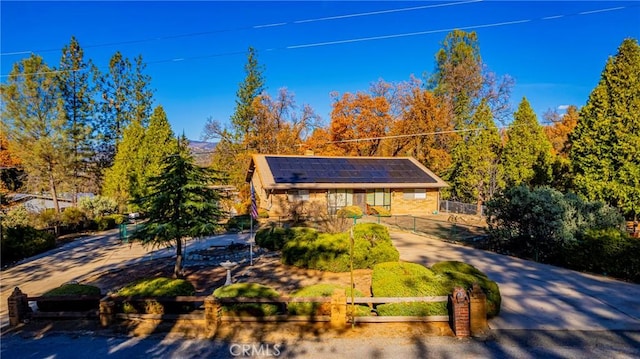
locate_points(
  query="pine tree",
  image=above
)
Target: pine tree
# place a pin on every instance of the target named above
(180, 204)
(605, 145)
(476, 172)
(527, 153)
(159, 142)
(32, 118)
(252, 86)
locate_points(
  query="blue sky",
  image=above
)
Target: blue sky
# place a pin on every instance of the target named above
(196, 51)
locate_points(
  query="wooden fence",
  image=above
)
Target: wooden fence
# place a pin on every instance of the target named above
(467, 310)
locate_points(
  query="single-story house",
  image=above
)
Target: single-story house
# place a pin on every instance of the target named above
(402, 185)
(36, 203)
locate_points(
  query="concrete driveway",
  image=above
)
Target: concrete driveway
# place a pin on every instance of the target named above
(537, 296)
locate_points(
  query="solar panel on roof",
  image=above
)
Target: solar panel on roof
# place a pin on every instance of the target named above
(346, 170)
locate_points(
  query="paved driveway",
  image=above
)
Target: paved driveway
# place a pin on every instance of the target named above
(534, 295)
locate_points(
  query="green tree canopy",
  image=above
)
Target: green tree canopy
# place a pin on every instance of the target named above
(527, 154)
(605, 145)
(181, 203)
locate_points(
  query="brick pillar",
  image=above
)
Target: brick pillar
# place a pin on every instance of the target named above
(478, 310)
(107, 312)
(212, 314)
(338, 309)
(18, 307)
(460, 312)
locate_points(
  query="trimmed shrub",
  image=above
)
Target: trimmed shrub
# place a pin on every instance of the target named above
(330, 252)
(324, 290)
(71, 290)
(24, 241)
(350, 212)
(274, 238)
(108, 222)
(379, 211)
(464, 275)
(249, 290)
(404, 279)
(157, 287)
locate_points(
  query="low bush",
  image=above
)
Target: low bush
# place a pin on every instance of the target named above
(605, 251)
(379, 211)
(459, 274)
(157, 287)
(240, 223)
(350, 212)
(330, 252)
(324, 290)
(249, 290)
(274, 238)
(73, 218)
(24, 241)
(71, 289)
(403, 279)
(414, 280)
(108, 222)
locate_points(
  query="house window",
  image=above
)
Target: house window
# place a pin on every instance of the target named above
(417, 193)
(339, 198)
(298, 195)
(379, 198)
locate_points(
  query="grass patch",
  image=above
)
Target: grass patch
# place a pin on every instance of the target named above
(157, 287)
(324, 290)
(70, 290)
(249, 290)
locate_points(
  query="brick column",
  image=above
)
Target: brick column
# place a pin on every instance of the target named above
(460, 312)
(478, 310)
(212, 314)
(18, 307)
(338, 309)
(107, 312)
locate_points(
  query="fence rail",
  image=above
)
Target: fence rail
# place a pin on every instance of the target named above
(461, 208)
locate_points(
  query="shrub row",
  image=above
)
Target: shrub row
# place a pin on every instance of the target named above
(71, 289)
(330, 252)
(156, 287)
(402, 279)
(24, 241)
(249, 290)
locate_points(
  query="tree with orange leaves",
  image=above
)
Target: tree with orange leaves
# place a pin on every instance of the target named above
(558, 132)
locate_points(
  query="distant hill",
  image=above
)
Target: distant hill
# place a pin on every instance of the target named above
(202, 151)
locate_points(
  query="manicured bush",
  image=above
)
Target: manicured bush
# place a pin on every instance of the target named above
(72, 290)
(459, 274)
(324, 290)
(379, 211)
(403, 279)
(274, 238)
(97, 206)
(249, 290)
(331, 252)
(24, 241)
(350, 212)
(157, 287)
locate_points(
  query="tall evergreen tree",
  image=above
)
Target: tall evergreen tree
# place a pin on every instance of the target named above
(605, 145)
(77, 95)
(249, 90)
(181, 204)
(476, 171)
(32, 118)
(159, 142)
(527, 153)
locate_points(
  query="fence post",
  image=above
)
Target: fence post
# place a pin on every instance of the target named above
(338, 309)
(107, 311)
(212, 315)
(478, 310)
(460, 312)
(414, 223)
(18, 307)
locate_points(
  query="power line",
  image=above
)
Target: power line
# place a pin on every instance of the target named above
(212, 32)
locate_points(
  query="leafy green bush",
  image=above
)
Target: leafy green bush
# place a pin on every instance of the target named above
(24, 241)
(606, 251)
(350, 212)
(47, 218)
(157, 287)
(324, 290)
(73, 218)
(403, 279)
(97, 206)
(17, 216)
(249, 290)
(379, 211)
(274, 238)
(330, 252)
(459, 274)
(240, 223)
(71, 289)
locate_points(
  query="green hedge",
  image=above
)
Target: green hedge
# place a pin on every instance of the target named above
(605, 251)
(157, 287)
(71, 289)
(402, 279)
(324, 290)
(249, 290)
(24, 241)
(330, 252)
(274, 238)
